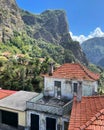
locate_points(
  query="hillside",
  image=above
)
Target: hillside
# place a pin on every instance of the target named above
(39, 36)
(94, 50)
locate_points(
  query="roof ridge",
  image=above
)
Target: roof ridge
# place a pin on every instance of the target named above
(83, 67)
(96, 116)
(94, 96)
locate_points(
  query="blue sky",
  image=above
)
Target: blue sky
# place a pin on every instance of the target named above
(85, 17)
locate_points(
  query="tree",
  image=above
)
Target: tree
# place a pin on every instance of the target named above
(101, 84)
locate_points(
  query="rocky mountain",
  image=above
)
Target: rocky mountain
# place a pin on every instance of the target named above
(10, 19)
(51, 25)
(46, 34)
(94, 50)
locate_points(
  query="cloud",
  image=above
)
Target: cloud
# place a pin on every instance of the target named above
(81, 38)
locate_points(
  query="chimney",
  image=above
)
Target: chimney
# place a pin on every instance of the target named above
(51, 69)
(79, 92)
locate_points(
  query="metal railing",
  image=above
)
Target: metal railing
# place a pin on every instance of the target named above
(67, 107)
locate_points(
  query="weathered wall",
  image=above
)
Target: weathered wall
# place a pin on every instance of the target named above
(42, 119)
(65, 89)
(88, 87)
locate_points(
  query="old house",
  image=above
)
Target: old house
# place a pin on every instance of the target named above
(88, 114)
(51, 110)
(69, 80)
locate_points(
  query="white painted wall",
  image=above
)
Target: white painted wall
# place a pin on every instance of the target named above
(88, 87)
(65, 88)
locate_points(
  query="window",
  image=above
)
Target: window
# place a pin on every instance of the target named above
(57, 85)
(75, 87)
(9, 118)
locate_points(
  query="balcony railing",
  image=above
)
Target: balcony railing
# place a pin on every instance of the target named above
(49, 108)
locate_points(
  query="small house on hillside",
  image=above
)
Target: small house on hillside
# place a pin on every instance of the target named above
(70, 79)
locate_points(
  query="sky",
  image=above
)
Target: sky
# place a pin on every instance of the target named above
(85, 17)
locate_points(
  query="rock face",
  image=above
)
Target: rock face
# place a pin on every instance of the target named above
(94, 50)
(10, 19)
(50, 25)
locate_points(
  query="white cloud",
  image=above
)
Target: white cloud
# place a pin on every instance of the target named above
(96, 33)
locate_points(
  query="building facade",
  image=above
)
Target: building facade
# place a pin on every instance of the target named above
(70, 79)
(51, 109)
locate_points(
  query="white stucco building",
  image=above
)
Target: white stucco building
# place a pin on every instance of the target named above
(71, 79)
(51, 110)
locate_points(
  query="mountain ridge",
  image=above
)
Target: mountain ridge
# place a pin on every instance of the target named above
(43, 34)
(94, 50)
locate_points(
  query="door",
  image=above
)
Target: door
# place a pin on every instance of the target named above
(50, 124)
(34, 122)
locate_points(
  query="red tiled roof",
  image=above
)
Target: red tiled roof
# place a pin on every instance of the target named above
(5, 93)
(87, 114)
(74, 71)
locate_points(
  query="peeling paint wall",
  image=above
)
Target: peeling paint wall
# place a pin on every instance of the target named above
(65, 88)
(42, 120)
(88, 87)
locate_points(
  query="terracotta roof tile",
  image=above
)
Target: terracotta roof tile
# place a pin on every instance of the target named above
(5, 93)
(74, 71)
(87, 114)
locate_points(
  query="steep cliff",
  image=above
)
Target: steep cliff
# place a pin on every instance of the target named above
(51, 26)
(10, 19)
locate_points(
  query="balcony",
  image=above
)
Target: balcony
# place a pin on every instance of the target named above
(50, 105)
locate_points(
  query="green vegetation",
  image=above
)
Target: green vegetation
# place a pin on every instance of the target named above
(21, 43)
(101, 84)
(22, 74)
(98, 70)
(20, 65)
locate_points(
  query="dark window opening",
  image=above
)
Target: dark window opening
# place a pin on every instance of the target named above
(50, 124)
(34, 122)
(58, 85)
(75, 87)
(9, 118)
(66, 124)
